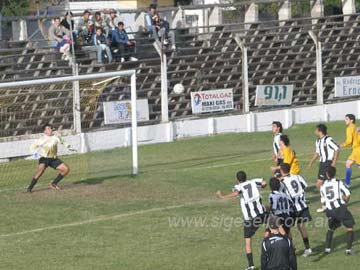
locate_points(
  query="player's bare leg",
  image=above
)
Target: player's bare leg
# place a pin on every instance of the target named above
(40, 170)
(305, 237)
(63, 171)
(318, 186)
(249, 253)
(349, 241)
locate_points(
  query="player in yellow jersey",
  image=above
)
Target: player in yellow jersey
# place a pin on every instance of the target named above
(352, 139)
(288, 156)
(45, 149)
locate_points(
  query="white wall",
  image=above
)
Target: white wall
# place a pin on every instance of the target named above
(161, 133)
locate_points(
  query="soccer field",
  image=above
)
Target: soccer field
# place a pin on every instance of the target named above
(166, 218)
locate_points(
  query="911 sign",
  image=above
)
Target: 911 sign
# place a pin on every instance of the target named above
(274, 95)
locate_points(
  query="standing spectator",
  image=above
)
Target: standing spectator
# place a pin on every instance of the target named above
(159, 28)
(60, 38)
(66, 21)
(100, 42)
(120, 41)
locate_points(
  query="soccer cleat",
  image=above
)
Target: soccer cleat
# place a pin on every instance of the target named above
(349, 252)
(54, 186)
(133, 59)
(307, 252)
(250, 268)
(327, 251)
(28, 190)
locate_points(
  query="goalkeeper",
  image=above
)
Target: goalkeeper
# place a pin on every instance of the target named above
(45, 149)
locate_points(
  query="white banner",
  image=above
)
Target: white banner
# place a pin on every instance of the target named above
(212, 101)
(274, 95)
(116, 112)
(347, 86)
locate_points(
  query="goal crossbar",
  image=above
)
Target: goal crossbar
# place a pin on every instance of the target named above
(127, 73)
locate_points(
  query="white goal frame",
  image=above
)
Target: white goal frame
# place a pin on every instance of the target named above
(76, 101)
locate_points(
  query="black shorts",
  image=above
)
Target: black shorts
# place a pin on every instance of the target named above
(251, 226)
(322, 170)
(51, 162)
(303, 216)
(339, 216)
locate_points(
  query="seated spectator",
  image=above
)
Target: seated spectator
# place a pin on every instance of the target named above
(60, 38)
(120, 41)
(100, 42)
(158, 28)
(87, 34)
(83, 22)
(99, 22)
(111, 21)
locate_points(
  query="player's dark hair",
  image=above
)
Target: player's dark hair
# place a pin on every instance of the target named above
(45, 126)
(241, 176)
(274, 184)
(285, 167)
(331, 172)
(279, 125)
(120, 23)
(351, 117)
(57, 18)
(99, 28)
(98, 13)
(285, 139)
(322, 128)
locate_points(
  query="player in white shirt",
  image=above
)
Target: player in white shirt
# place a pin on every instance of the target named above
(336, 195)
(251, 206)
(327, 151)
(294, 186)
(277, 130)
(46, 149)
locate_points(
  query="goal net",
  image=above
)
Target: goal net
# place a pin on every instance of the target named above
(76, 108)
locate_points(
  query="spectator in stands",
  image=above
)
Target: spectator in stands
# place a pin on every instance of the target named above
(60, 38)
(100, 42)
(99, 21)
(158, 28)
(83, 22)
(88, 34)
(111, 21)
(120, 41)
(66, 21)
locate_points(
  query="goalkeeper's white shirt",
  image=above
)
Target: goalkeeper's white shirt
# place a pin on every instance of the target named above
(47, 146)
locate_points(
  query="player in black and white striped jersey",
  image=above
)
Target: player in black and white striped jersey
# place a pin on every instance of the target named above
(327, 151)
(281, 205)
(251, 206)
(336, 195)
(294, 186)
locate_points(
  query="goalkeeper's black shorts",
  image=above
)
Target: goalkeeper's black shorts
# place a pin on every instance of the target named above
(51, 162)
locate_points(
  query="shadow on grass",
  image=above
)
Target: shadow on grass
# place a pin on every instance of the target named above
(194, 162)
(339, 244)
(101, 179)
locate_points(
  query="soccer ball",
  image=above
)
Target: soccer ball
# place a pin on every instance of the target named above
(179, 88)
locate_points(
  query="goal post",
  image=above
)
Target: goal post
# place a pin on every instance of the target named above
(20, 106)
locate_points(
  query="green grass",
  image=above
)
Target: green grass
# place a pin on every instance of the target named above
(106, 219)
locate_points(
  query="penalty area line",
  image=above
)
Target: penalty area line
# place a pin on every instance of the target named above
(107, 218)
